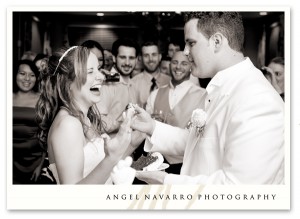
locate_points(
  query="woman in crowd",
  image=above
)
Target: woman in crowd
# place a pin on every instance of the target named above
(28, 156)
(274, 72)
(70, 124)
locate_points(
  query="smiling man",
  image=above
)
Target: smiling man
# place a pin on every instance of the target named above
(115, 96)
(151, 78)
(174, 103)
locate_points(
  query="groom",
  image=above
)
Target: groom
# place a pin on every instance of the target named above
(242, 141)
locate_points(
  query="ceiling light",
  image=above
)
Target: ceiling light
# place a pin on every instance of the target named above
(100, 14)
(263, 13)
(35, 18)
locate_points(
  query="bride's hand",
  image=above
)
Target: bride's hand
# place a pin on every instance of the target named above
(122, 173)
(117, 146)
(142, 121)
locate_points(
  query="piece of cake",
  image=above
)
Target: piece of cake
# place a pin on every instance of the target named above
(151, 162)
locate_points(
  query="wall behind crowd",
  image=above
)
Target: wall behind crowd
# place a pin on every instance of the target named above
(44, 32)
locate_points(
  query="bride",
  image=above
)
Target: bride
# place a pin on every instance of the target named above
(70, 124)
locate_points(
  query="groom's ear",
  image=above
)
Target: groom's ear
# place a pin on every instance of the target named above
(218, 41)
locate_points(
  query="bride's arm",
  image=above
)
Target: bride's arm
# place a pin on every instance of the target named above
(67, 140)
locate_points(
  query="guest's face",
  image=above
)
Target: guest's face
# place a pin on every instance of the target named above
(180, 67)
(99, 56)
(279, 73)
(151, 58)
(126, 60)
(89, 93)
(25, 78)
(109, 62)
(200, 51)
(165, 67)
(172, 49)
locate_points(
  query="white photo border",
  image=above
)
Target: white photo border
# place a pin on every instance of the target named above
(113, 197)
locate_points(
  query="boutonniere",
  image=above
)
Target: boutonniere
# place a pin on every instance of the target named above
(198, 120)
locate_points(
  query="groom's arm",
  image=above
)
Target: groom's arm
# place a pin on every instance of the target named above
(167, 139)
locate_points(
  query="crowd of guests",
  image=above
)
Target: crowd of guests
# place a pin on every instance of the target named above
(70, 125)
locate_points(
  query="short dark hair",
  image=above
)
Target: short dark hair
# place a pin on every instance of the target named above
(165, 57)
(230, 24)
(91, 44)
(34, 70)
(278, 60)
(175, 43)
(125, 42)
(39, 57)
(150, 43)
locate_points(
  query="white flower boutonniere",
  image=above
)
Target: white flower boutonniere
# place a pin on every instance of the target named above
(198, 121)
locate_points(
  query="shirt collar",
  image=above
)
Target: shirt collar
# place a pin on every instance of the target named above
(186, 83)
(123, 81)
(150, 75)
(228, 74)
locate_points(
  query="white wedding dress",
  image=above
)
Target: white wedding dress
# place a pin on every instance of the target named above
(93, 155)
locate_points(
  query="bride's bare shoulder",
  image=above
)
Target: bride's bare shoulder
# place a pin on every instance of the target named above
(65, 124)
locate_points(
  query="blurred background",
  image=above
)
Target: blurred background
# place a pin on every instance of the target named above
(45, 31)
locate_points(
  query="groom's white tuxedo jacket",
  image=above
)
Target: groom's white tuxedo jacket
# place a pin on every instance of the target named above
(243, 139)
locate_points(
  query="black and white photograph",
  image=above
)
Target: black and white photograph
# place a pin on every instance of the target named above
(179, 108)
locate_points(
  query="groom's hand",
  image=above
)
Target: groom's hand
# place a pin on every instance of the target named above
(142, 121)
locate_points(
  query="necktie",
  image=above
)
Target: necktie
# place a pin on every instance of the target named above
(153, 86)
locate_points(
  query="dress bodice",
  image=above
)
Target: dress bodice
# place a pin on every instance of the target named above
(27, 153)
(93, 155)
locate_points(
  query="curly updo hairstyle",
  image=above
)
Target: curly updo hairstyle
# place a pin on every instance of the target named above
(64, 67)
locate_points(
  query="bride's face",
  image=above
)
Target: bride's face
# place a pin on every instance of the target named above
(89, 93)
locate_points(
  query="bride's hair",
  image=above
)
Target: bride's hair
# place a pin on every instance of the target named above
(64, 67)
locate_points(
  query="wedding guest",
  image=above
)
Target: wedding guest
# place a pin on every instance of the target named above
(173, 47)
(151, 78)
(108, 60)
(97, 49)
(174, 103)
(237, 137)
(69, 121)
(164, 65)
(176, 100)
(116, 95)
(274, 72)
(139, 68)
(28, 156)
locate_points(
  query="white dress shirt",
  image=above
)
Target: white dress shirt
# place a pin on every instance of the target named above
(243, 139)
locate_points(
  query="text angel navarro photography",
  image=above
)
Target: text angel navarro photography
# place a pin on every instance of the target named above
(206, 197)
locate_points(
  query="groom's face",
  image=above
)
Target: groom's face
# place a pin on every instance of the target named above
(199, 50)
